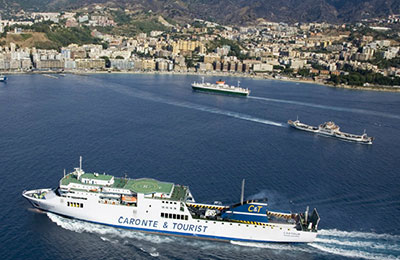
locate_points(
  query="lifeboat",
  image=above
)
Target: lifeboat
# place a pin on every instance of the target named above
(128, 199)
(220, 82)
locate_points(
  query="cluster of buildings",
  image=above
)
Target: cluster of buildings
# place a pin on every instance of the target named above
(272, 49)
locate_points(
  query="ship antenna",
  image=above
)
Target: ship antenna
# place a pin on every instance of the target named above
(242, 195)
(80, 163)
(64, 172)
(238, 83)
(202, 80)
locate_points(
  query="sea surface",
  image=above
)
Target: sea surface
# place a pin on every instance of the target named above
(156, 126)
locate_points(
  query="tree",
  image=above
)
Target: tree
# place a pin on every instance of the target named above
(107, 61)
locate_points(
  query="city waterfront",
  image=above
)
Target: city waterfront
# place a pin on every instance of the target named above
(156, 126)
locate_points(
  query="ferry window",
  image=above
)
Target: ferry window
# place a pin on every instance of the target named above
(170, 215)
(162, 215)
(68, 203)
(175, 203)
(174, 216)
(81, 205)
(178, 216)
(186, 217)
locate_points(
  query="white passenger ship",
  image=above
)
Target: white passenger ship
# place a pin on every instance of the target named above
(220, 87)
(161, 207)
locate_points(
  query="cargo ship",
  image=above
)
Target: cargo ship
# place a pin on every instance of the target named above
(331, 129)
(220, 87)
(153, 206)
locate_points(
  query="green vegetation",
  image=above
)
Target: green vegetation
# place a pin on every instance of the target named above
(360, 77)
(235, 47)
(304, 72)
(66, 36)
(58, 35)
(278, 67)
(144, 24)
(25, 36)
(148, 26)
(121, 17)
(383, 63)
(317, 66)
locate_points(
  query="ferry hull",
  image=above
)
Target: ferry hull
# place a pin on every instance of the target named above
(219, 91)
(147, 219)
(342, 136)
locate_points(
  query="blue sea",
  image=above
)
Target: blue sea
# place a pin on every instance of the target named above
(156, 126)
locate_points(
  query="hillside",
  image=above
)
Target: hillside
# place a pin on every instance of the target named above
(231, 11)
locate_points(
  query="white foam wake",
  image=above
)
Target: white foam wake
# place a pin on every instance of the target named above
(343, 243)
(273, 246)
(151, 97)
(342, 109)
(82, 226)
(366, 245)
(354, 253)
(355, 234)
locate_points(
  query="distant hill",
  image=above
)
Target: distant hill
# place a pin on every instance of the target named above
(232, 11)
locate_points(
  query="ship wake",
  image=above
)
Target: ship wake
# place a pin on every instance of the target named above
(361, 245)
(334, 108)
(151, 97)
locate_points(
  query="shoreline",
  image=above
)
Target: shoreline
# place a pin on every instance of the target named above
(221, 74)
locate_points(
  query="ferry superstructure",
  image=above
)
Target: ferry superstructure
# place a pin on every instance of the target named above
(161, 207)
(3, 78)
(331, 129)
(220, 87)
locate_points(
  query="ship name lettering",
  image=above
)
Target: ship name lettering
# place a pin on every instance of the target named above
(253, 208)
(138, 222)
(189, 227)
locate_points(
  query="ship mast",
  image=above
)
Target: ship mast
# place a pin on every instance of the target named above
(242, 195)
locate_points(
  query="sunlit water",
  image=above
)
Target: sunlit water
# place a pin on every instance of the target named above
(156, 126)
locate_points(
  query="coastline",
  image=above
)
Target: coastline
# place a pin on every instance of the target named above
(220, 74)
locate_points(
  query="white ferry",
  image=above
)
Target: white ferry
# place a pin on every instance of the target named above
(161, 207)
(220, 87)
(331, 129)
